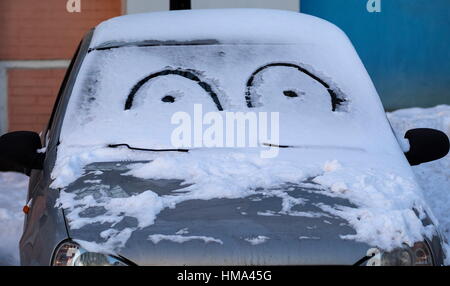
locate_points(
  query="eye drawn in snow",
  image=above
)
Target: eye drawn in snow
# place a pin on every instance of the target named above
(293, 93)
(156, 238)
(172, 96)
(257, 240)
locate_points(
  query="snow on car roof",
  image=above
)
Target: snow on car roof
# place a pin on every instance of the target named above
(226, 26)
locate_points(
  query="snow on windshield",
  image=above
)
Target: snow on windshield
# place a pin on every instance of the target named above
(132, 93)
(328, 110)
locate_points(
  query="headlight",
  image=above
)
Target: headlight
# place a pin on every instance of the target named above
(418, 255)
(71, 254)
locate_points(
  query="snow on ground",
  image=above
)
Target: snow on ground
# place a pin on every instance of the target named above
(13, 189)
(434, 178)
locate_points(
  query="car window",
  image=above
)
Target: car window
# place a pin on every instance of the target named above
(59, 108)
(63, 86)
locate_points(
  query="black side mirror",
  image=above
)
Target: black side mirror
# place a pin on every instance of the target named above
(18, 152)
(426, 145)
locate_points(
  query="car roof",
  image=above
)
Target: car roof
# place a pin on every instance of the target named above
(227, 26)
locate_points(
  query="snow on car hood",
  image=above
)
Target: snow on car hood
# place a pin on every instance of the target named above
(387, 208)
(268, 226)
(119, 97)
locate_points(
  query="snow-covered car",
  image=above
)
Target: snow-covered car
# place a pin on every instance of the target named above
(108, 185)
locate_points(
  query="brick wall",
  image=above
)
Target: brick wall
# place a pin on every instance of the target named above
(31, 97)
(40, 31)
(44, 29)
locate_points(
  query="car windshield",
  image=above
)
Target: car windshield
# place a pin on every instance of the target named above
(130, 94)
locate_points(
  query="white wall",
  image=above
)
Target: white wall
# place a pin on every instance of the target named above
(141, 6)
(293, 5)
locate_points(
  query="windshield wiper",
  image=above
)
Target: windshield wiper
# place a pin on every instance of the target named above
(364, 259)
(145, 149)
(276, 145)
(153, 43)
(314, 147)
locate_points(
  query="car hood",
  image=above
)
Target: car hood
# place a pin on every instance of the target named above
(242, 231)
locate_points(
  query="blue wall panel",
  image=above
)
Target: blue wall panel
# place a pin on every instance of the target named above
(405, 47)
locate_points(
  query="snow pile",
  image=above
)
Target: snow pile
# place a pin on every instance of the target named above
(384, 215)
(13, 190)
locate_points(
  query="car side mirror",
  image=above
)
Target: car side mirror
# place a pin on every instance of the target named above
(426, 145)
(19, 152)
